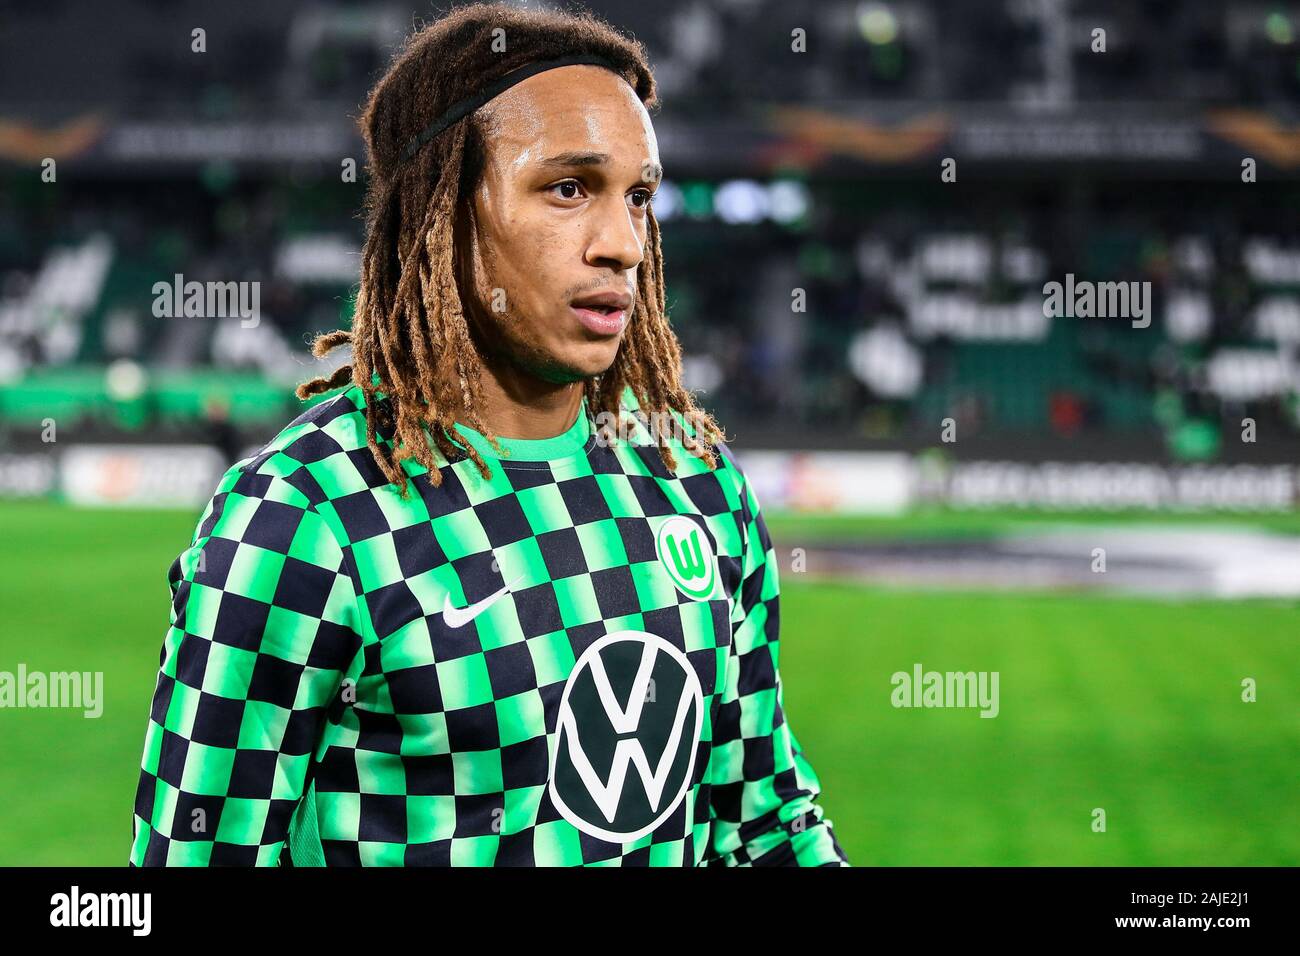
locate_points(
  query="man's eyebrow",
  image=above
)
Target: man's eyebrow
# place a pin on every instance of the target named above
(576, 159)
(655, 170)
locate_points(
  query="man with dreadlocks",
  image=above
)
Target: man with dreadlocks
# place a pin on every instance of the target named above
(507, 599)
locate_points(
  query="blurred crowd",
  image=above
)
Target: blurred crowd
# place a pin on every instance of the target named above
(824, 305)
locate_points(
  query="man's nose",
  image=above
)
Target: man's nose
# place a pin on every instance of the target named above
(616, 240)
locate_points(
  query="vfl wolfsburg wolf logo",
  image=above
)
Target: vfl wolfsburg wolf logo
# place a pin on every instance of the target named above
(625, 742)
(684, 550)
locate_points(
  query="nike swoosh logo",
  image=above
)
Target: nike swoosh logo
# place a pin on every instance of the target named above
(460, 616)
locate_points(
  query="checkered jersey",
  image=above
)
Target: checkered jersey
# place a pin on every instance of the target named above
(570, 662)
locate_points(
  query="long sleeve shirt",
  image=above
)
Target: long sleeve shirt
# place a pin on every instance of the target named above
(573, 661)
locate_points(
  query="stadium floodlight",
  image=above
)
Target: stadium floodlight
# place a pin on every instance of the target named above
(668, 201)
(787, 201)
(741, 201)
(877, 23)
(125, 380)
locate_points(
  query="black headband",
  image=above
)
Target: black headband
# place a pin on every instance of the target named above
(459, 111)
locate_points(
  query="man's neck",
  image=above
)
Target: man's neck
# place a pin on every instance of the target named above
(520, 405)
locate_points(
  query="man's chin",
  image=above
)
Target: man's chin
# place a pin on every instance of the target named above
(580, 366)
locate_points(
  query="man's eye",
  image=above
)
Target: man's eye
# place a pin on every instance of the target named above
(646, 197)
(573, 187)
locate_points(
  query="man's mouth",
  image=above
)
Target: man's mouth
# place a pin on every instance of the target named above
(604, 313)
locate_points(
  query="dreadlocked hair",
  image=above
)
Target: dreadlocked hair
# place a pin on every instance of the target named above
(410, 337)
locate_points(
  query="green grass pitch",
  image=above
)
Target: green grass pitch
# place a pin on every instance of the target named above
(1130, 705)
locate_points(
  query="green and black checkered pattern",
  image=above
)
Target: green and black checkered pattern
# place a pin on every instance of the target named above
(571, 662)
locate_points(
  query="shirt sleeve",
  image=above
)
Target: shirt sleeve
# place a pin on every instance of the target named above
(764, 791)
(263, 632)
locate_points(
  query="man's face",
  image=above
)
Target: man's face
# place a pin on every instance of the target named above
(571, 162)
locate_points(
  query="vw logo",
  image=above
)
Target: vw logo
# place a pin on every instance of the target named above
(625, 741)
